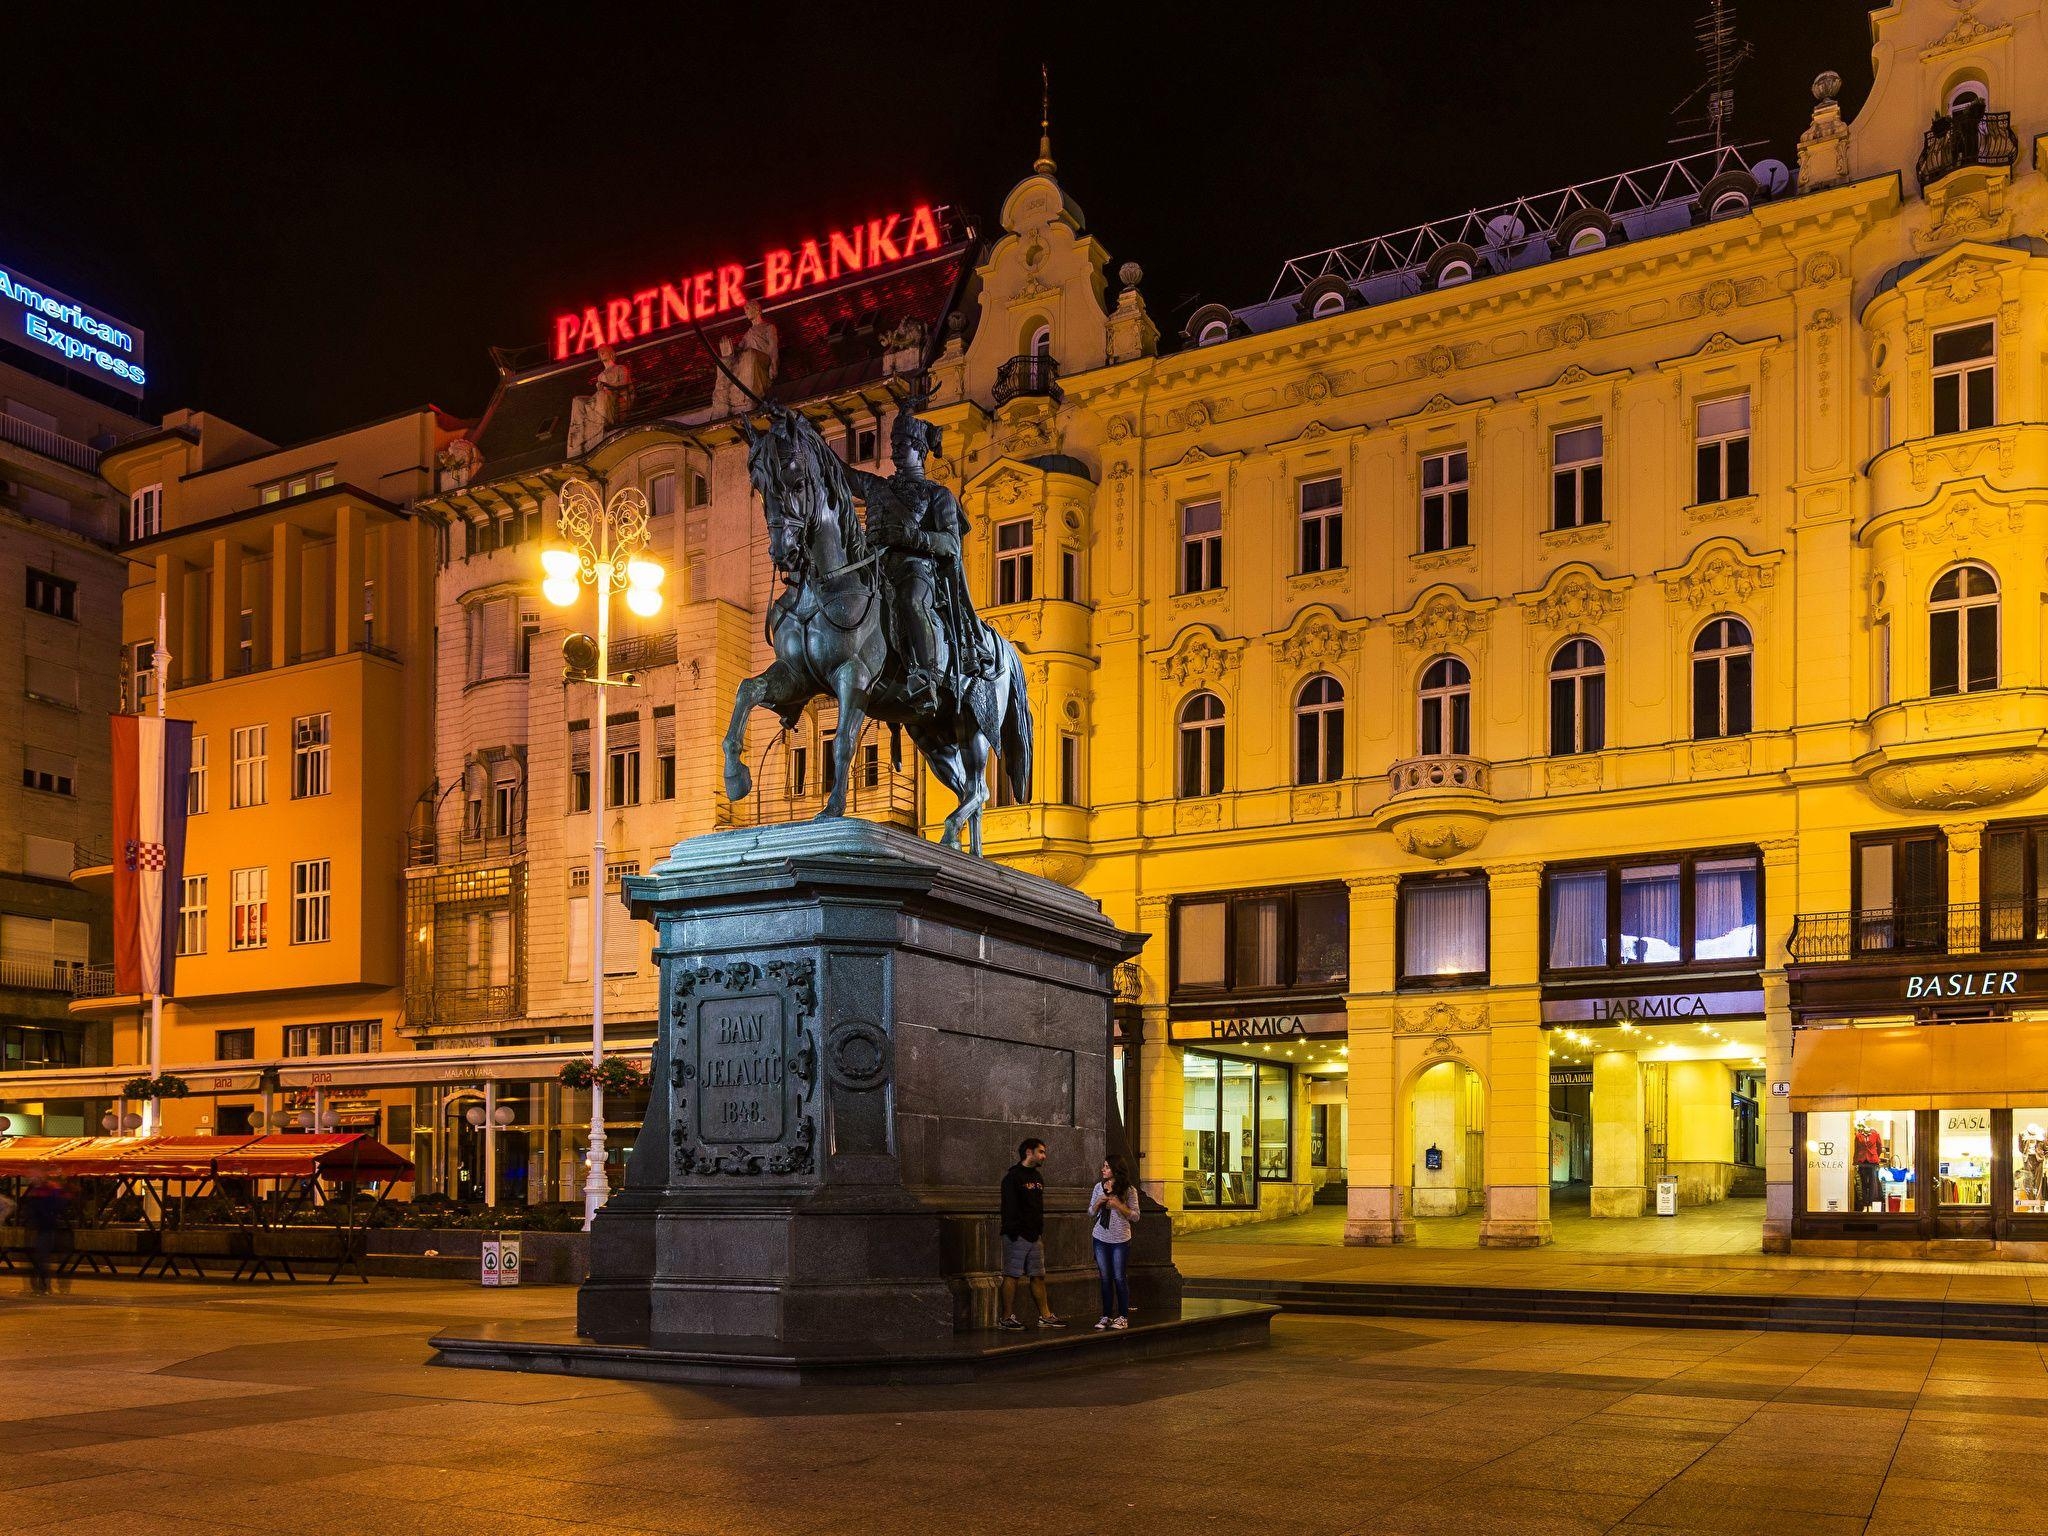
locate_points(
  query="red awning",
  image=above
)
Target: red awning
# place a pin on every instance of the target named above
(344, 1158)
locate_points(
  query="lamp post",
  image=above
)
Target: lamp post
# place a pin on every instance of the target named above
(601, 547)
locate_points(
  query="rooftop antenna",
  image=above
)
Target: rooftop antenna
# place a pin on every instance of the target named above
(1043, 164)
(1723, 52)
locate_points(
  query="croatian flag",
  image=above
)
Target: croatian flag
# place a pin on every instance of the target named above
(152, 759)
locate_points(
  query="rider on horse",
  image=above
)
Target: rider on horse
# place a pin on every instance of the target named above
(918, 525)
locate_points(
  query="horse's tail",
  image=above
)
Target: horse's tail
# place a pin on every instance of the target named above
(1016, 744)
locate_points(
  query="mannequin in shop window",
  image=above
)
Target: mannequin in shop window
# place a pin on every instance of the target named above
(1869, 1157)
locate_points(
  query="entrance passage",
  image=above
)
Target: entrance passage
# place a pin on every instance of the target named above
(1447, 1138)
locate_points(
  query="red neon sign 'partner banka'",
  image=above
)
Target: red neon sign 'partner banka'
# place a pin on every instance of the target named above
(718, 290)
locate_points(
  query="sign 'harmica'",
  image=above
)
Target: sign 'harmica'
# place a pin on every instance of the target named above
(84, 339)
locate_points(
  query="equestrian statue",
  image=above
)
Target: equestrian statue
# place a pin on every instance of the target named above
(875, 614)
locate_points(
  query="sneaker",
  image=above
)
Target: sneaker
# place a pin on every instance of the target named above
(1119, 1322)
(1010, 1325)
(1101, 1324)
(1049, 1321)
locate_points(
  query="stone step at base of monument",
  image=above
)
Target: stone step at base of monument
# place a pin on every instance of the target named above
(1200, 1327)
(1901, 1317)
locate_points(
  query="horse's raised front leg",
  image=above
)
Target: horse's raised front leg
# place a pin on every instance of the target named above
(770, 685)
(944, 760)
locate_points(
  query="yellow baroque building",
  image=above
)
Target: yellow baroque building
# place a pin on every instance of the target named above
(1562, 687)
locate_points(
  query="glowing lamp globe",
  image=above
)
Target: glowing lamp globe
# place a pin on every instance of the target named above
(559, 590)
(559, 564)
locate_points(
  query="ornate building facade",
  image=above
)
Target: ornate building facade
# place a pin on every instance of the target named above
(1562, 687)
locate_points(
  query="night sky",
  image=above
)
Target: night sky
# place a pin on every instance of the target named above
(317, 223)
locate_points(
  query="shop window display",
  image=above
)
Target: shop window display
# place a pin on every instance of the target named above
(1963, 1151)
(1861, 1162)
(1236, 1128)
(2030, 1162)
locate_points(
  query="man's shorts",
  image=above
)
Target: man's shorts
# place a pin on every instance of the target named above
(1023, 1258)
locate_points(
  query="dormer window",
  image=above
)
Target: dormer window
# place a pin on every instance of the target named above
(1729, 205)
(1329, 304)
(1454, 272)
(1213, 332)
(1590, 238)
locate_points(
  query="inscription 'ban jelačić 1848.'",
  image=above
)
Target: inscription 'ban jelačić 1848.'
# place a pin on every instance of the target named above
(740, 1070)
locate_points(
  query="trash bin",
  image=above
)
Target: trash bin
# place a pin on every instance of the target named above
(1667, 1196)
(508, 1258)
(490, 1261)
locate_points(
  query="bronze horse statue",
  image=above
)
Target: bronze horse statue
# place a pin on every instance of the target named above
(831, 633)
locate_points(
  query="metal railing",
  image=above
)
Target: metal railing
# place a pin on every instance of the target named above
(1964, 928)
(637, 653)
(1035, 373)
(51, 445)
(41, 973)
(1983, 138)
(1442, 775)
(83, 857)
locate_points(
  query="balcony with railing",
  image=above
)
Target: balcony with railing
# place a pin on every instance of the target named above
(1965, 139)
(637, 653)
(1033, 374)
(1438, 775)
(48, 444)
(42, 973)
(1919, 932)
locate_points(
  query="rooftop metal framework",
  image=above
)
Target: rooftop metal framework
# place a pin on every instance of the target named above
(1510, 228)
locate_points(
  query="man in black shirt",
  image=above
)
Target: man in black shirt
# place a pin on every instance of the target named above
(1024, 1236)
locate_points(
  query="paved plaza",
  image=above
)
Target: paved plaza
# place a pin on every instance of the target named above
(150, 1409)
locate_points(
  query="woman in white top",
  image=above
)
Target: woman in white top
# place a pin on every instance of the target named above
(1114, 1205)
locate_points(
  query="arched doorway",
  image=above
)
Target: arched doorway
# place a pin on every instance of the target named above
(1446, 1148)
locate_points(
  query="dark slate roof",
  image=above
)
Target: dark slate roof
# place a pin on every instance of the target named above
(1061, 464)
(831, 344)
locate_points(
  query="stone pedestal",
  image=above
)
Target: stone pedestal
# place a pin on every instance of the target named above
(857, 1028)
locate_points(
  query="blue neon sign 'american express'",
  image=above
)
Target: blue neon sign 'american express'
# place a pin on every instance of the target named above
(82, 338)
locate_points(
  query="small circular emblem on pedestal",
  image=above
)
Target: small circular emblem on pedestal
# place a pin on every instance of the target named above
(857, 1054)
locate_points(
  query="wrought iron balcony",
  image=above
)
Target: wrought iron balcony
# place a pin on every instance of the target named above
(1984, 138)
(639, 652)
(1035, 373)
(1966, 928)
(1440, 776)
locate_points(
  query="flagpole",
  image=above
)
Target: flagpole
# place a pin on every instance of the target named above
(160, 661)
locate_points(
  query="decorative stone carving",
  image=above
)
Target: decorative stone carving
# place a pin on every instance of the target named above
(1197, 816)
(1958, 784)
(1201, 660)
(1739, 509)
(1054, 864)
(1441, 836)
(1568, 775)
(1719, 757)
(758, 1017)
(1316, 802)
(1575, 601)
(1441, 621)
(1717, 579)
(457, 464)
(1440, 1017)
(1464, 558)
(1318, 643)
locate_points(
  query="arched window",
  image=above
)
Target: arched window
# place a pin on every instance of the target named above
(1970, 94)
(1721, 662)
(1446, 709)
(1962, 632)
(1319, 731)
(1453, 273)
(1591, 238)
(1328, 304)
(1213, 332)
(1578, 698)
(1729, 205)
(1041, 342)
(1201, 746)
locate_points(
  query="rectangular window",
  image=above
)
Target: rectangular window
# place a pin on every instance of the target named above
(1575, 456)
(1721, 450)
(866, 443)
(2030, 1161)
(142, 676)
(2015, 883)
(1443, 921)
(251, 766)
(1691, 908)
(1446, 501)
(1861, 1162)
(1900, 891)
(665, 774)
(310, 755)
(310, 901)
(245, 642)
(234, 1045)
(661, 494)
(504, 808)
(54, 773)
(1263, 941)
(196, 780)
(622, 776)
(1070, 768)
(799, 769)
(871, 765)
(52, 682)
(1070, 575)
(192, 916)
(1322, 525)
(52, 595)
(1237, 1128)
(1965, 378)
(249, 911)
(1013, 561)
(579, 766)
(1201, 546)
(529, 632)
(146, 512)
(577, 934)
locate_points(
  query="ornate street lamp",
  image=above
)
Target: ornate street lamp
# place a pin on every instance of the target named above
(601, 547)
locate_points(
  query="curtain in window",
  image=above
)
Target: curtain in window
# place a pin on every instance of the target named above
(1444, 928)
(1649, 915)
(1724, 909)
(1578, 919)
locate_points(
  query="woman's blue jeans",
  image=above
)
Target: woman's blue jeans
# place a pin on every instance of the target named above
(1113, 1263)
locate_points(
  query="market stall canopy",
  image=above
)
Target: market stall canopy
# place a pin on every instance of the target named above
(342, 1158)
